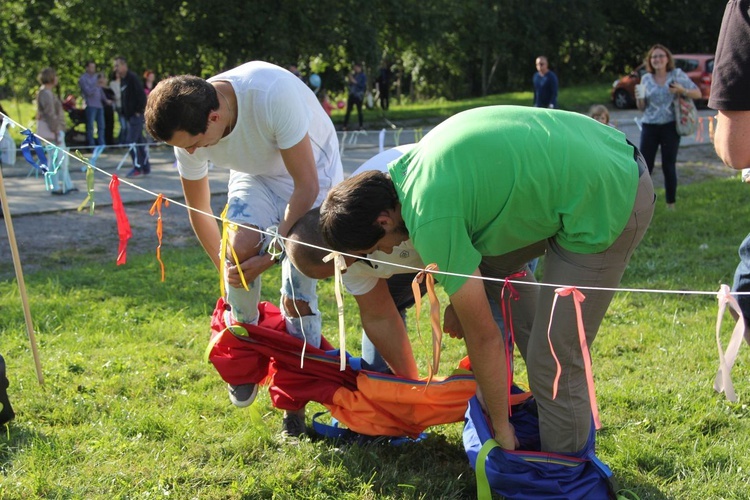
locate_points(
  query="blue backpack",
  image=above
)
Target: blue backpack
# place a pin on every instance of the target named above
(528, 473)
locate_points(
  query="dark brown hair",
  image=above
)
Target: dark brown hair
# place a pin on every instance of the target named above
(180, 103)
(348, 216)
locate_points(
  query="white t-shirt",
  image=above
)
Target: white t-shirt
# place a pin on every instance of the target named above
(275, 111)
(362, 276)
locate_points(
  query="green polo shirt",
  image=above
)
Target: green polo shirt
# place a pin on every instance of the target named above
(492, 180)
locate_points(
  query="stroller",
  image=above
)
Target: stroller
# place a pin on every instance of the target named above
(75, 136)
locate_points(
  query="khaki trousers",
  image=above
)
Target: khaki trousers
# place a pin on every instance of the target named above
(565, 422)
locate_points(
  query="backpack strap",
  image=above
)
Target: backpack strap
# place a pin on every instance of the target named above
(332, 430)
(484, 492)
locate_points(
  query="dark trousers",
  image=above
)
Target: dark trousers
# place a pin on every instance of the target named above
(666, 136)
(384, 98)
(351, 102)
(134, 135)
(109, 125)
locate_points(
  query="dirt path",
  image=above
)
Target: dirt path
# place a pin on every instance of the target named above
(66, 239)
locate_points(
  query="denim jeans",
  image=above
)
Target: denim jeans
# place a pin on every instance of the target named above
(742, 279)
(253, 203)
(134, 135)
(94, 115)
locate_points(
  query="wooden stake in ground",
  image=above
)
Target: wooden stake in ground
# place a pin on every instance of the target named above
(19, 278)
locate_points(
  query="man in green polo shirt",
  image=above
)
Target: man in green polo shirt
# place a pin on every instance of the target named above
(482, 194)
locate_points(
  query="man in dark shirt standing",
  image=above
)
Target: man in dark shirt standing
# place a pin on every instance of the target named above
(545, 85)
(730, 96)
(133, 106)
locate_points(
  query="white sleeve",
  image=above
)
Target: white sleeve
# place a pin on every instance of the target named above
(359, 279)
(288, 113)
(191, 166)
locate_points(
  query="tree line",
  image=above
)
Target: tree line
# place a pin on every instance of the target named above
(439, 48)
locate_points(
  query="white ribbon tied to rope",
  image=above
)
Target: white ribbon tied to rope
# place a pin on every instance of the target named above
(723, 380)
(339, 265)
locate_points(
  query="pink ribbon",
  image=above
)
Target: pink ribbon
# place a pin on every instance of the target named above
(723, 380)
(578, 297)
(508, 322)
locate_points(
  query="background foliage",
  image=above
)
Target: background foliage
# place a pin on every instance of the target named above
(439, 48)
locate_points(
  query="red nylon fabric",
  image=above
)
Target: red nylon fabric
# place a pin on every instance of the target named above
(366, 402)
(123, 225)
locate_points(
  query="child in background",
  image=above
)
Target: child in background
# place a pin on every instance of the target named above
(600, 113)
(323, 98)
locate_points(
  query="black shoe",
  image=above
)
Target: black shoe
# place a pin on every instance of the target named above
(6, 410)
(293, 425)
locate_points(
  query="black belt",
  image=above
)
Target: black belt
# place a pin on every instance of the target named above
(639, 159)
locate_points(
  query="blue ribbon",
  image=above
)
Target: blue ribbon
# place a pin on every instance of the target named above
(31, 143)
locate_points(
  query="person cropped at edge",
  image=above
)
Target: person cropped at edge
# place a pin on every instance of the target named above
(654, 96)
(730, 96)
(357, 81)
(133, 106)
(267, 127)
(95, 100)
(545, 84)
(582, 196)
(382, 288)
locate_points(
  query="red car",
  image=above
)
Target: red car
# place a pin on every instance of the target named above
(698, 67)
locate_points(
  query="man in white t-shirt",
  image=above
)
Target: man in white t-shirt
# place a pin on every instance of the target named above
(380, 283)
(269, 129)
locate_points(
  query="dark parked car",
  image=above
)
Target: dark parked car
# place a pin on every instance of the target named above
(698, 67)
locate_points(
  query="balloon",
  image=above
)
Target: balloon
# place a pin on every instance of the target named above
(340, 104)
(315, 80)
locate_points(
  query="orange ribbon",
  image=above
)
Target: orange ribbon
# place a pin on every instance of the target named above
(427, 277)
(156, 208)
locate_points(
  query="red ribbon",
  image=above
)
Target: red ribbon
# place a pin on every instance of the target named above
(123, 225)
